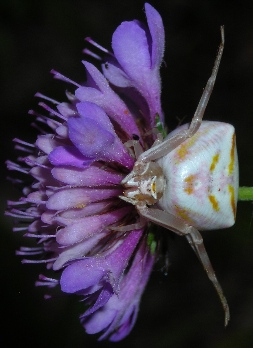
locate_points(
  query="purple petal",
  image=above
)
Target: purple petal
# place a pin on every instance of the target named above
(131, 289)
(105, 294)
(43, 176)
(79, 197)
(99, 320)
(89, 137)
(126, 324)
(156, 28)
(130, 46)
(94, 136)
(77, 251)
(88, 110)
(69, 216)
(35, 226)
(62, 131)
(107, 99)
(78, 213)
(88, 226)
(139, 53)
(80, 275)
(114, 73)
(36, 197)
(68, 156)
(92, 176)
(46, 143)
(89, 272)
(66, 109)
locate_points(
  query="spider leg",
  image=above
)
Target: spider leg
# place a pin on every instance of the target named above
(174, 141)
(125, 228)
(136, 147)
(159, 139)
(193, 236)
(196, 242)
(199, 113)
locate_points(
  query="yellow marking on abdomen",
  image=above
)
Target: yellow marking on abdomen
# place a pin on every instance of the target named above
(232, 198)
(183, 149)
(232, 157)
(214, 162)
(184, 215)
(214, 202)
(189, 184)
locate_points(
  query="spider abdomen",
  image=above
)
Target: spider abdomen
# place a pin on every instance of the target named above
(202, 177)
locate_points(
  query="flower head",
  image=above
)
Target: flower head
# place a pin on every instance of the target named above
(72, 205)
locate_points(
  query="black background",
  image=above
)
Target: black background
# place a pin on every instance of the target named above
(180, 309)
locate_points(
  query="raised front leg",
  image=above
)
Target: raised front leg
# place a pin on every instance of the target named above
(171, 143)
(193, 236)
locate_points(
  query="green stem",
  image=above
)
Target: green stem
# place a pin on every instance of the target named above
(245, 193)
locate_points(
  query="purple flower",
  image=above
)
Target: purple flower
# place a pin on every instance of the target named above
(117, 317)
(71, 203)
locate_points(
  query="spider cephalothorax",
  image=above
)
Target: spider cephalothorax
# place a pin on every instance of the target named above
(145, 183)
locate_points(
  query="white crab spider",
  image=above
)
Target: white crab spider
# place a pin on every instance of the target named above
(190, 178)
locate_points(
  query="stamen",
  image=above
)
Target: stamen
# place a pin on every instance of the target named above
(91, 54)
(35, 201)
(29, 253)
(39, 117)
(12, 203)
(59, 76)
(45, 281)
(38, 261)
(53, 124)
(15, 181)
(23, 248)
(19, 141)
(95, 44)
(35, 163)
(14, 166)
(23, 149)
(52, 111)
(22, 214)
(41, 131)
(42, 277)
(32, 235)
(20, 229)
(42, 96)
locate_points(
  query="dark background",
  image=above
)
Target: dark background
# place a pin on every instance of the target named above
(180, 309)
